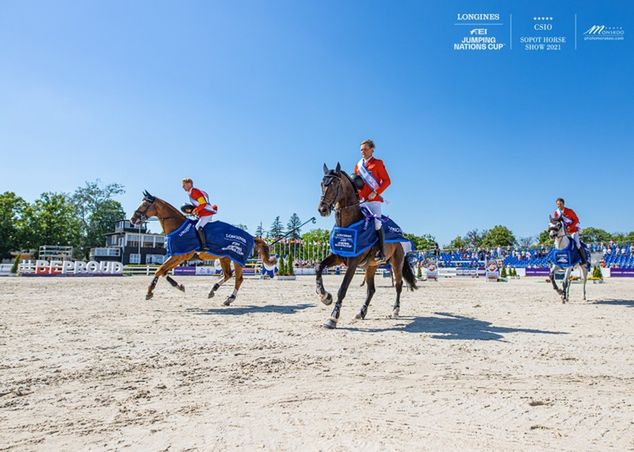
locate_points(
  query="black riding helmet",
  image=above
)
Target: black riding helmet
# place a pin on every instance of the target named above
(357, 181)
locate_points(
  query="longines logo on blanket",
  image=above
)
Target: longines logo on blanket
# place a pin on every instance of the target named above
(185, 230)
(235, 247)
(604, 33)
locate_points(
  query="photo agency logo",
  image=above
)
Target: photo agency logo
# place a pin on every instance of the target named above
(604, 33)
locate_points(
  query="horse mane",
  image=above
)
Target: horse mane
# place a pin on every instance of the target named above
(349, 179)
(178, 213)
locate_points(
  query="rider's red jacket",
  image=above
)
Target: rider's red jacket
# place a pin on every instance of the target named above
(378, 171)
(200, 199)
(570, 219)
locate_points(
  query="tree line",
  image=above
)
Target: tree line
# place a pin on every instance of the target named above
(79, 219)
(502, 236)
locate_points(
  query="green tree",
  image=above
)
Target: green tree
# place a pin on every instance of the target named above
(12, 209)
(102, 221)
(475, 238)
(294, 222)
(259, 232)
(422, 242)
(291, 259)
(457, 243)
(281, 267)
(277, 229)
(498, 236)
(53, 220)
(544, 238)
(595, 235)
(526, 242)
(95, 199)
(503, 272)
(241, 226)
(316, 235)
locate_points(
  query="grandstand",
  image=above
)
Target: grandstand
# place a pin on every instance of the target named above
(622, 257)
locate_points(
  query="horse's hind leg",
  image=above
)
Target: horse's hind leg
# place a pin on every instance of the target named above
(225, 264)
(398, 278)
(239, 278)
(369, 279)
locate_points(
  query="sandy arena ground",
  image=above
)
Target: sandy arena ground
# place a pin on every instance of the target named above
(87, 363)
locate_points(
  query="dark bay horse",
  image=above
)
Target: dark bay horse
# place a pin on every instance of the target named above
(338, 194)
(171, 219)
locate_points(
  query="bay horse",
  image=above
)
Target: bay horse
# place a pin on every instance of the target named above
(557, 232)
(339, 194)
(171, 219)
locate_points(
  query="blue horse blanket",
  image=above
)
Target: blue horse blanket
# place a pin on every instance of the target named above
(223, 240)
(568, 257)
(357, 238)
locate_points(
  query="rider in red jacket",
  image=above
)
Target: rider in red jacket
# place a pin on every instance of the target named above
(571, 221)
(202, 209)
(371, 179)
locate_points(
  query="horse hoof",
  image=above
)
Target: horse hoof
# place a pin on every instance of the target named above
(228, 301)
(149, 296)
(330, 324)
(211, 294)
(359, 316)
(395, 313)
(326, 299)
(181, 288)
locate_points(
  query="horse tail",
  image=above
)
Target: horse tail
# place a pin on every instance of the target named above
(408, 275)
(264, 253)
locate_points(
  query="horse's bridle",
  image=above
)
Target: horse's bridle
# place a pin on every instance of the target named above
(142, 216)
(327, 180)
(555, 227)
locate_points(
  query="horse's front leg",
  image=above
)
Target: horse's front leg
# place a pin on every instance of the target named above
(341, 294)
(369, 279)
(329, 261)
(553, 281)
(150, 289)
(566, 287)
(173, 282)
(164, 270)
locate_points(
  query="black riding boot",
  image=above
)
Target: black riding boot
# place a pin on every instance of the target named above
(380, 254)
(202, 239)
(582, 254)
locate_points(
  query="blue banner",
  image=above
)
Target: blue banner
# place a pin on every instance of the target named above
(223, 240)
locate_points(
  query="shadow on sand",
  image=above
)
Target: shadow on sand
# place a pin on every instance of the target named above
(629, 303)
(451, 326)
(253, 309)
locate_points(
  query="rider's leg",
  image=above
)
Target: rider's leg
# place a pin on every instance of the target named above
(582, 254)
(375, 208)
(200, 231)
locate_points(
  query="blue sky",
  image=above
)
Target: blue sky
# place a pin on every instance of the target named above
(250, 98)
